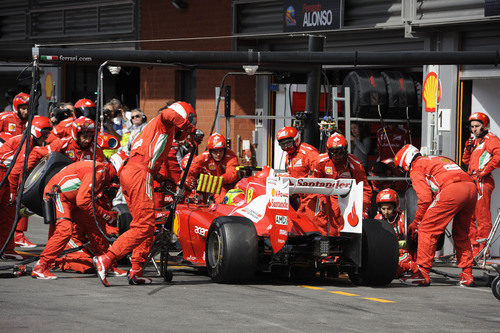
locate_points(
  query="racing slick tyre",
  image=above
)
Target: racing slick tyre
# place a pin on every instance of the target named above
(231, 249)
(495, 287)
(39, 177)
(124, 218)
(379, 253)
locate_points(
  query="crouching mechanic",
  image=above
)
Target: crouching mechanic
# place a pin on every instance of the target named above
(72, 192)
(388, 207)
(40, 129)
(482, 156)
(338, 164)
(148, 152)
(217, 160)
(444, 192)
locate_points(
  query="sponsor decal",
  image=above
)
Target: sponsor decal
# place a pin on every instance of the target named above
(329, 170)
(352, 217)
(211, 166)
(12, 127)
(250, 194)
(200, 231)
(282, 220)
(71, 154)
(278, 193)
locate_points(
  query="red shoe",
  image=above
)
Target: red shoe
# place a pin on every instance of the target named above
(21, 240)
(11, 255)
(115, 271)
(419, 278)
(466, 278)
(41, 271)
(102, 265)
(136, 277)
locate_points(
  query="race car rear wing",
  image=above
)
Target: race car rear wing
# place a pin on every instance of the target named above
(349, 196)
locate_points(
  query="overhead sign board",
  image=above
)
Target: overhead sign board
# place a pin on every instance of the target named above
(309, 15)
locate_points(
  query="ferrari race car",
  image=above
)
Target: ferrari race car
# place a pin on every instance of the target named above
(264, 233)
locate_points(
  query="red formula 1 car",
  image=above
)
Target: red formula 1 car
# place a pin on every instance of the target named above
(264, 233)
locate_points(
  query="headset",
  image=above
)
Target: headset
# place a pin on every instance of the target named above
(143, 116)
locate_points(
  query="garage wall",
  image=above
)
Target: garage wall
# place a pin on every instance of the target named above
(485, 99)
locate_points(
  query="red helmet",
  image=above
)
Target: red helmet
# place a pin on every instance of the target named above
(216, 141)
(405, 156)
(289, 138)
(39, 124)
(388, 196)
(107, 141)
(184, 161)
(20, 99)
(185, 110)
(82, 124)
(336, 140)
(479, 116)
(118, 159)
(85, 107)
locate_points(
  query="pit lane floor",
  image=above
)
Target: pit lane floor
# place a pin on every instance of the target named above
(192, 303)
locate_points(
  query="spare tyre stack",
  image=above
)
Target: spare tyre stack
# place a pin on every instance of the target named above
(368, 91)
(401, 93)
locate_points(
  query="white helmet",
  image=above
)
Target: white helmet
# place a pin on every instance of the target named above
(118, 159)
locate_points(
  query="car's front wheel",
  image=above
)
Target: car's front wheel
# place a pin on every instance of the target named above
(231, 249)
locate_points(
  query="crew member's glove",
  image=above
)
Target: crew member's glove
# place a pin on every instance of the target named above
(469, 145)
(111, 217)
(191, 184)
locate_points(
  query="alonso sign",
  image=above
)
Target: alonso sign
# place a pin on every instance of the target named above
(312, 15)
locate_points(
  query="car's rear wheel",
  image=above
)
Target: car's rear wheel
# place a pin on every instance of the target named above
(379, 253)
(495, 287)
(231, 250)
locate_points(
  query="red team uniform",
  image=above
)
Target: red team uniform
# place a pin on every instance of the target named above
(444, 192)
(149, 151)
(482, 156)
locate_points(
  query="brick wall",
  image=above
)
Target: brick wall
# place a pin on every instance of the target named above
(160, 20)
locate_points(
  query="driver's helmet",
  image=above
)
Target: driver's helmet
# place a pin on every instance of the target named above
(234, 197)
(388, 196)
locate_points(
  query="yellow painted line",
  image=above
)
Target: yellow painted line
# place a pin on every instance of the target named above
(29, 254)
(343, 293)
(311, 287)
(378, 300)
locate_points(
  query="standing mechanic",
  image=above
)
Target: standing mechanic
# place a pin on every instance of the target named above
(336, 164)
(300, 160)
(390, 139)
(148, 152)
(40, 129)
(482, 156)
(388, 207)
(444, 192)
(71, 189)
(217, 160)
(14, 122)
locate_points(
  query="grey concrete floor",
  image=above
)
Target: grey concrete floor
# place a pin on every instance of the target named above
(192, 303)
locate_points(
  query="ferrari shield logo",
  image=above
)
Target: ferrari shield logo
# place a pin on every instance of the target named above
(12, 127)
(328, 170)
(71, 154)
(211, 166)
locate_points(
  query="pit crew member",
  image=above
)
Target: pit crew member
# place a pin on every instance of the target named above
(482, 156)
(390, 140)
(338, 163)
(72, 191)
(300, 160)
(217, 160)
(388, 210)
(148, 152)
(14, 122)
(40, 129)
(444, 192)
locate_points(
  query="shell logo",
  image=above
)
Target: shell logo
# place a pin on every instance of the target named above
(429, 92)
(49, 86)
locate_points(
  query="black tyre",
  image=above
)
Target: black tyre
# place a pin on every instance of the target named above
(124, 218)
(368, 90)
(39, 177)
(231, 249)
(495, 287)
(401, 93)
(380, 253)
